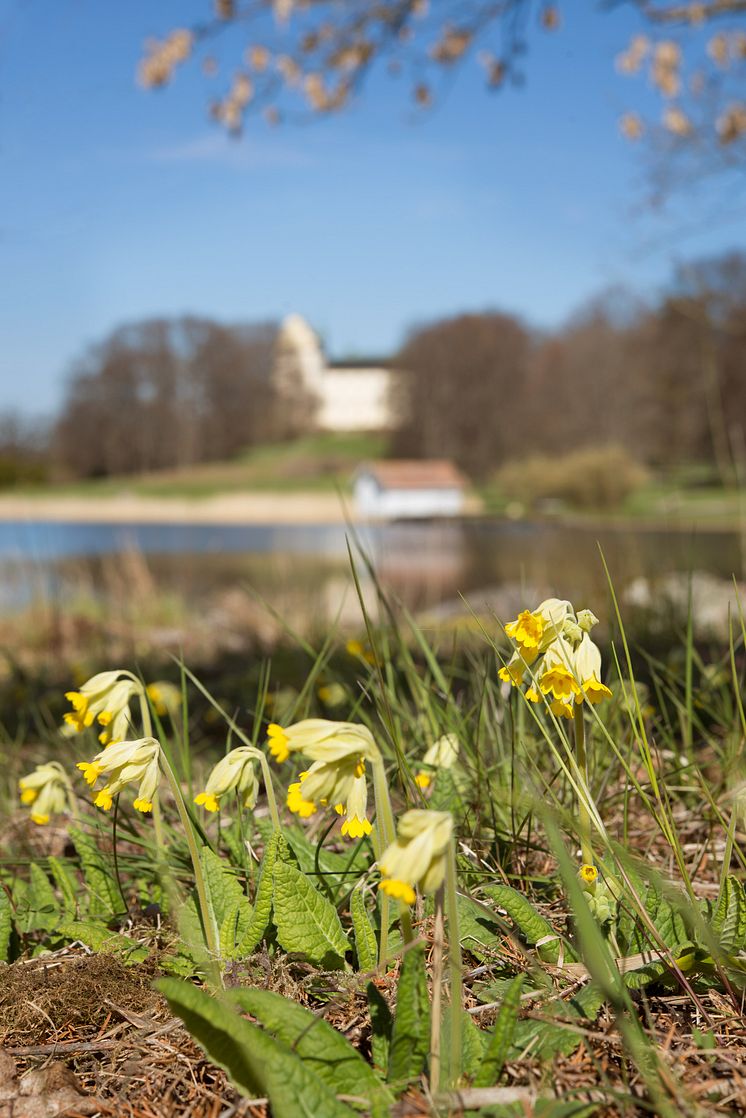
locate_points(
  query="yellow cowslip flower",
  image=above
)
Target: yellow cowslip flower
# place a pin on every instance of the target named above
(515, 669)
(321, 739)
(45, 791)
(93, 699)
(586, 662)
(342, 783)
(165, 698)
(417, 857)
(534, 630)
(560, 709)
(126, 762)
(115, 717)
(359, 651)
(339, 751)
(557, 678)
(332, 694)
(588, 874)
(234, 772)
(443, 754)
(527, 630)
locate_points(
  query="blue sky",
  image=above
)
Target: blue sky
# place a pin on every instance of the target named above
(117, 204)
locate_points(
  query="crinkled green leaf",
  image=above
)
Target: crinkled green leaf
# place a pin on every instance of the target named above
(42, 910)
(323, 1050)
(544, 1039)
(445, 795)
(258, 1064)
(501, 1037)
(473, 1041)
(381, 1024)
(410, 1036)
(338, 868)
(6, 926)
(102, 890)
(263, 898)
(67, 884)
(306, 922)
(729, 917)
(230, 909)
(100, 938)
(480, 935)
(366, 946)
(536, 930)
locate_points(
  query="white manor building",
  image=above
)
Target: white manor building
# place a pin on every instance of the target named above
(351, 395)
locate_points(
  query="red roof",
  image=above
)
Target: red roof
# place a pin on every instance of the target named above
(415, 473)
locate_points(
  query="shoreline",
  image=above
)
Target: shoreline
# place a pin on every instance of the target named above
(238, 508)
(279, 507)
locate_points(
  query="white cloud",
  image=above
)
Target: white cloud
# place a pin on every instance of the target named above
(222, 150)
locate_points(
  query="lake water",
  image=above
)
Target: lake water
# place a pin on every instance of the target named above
(424, 564)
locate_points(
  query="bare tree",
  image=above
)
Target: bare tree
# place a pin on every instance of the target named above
(166, 393)
(461, 391)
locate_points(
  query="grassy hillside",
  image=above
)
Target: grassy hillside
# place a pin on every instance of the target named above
(320, 462)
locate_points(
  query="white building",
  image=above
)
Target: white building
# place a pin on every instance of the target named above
(352, 395)
(407, 489)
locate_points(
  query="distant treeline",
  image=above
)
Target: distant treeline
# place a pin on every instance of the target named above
(665, 381)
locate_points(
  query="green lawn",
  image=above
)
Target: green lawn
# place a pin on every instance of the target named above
(322, 462)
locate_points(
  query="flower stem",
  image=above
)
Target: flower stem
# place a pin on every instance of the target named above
(71, 797)
(384, 812)
(584, 819)
(267, 777)
(208, 923)
(454, 963)
(437, 998)
(384, 833)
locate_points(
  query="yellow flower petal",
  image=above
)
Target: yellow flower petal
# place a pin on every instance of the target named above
(399, 890)
(208, 801)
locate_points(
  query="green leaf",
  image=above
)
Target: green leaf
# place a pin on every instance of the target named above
(263, 898)
(103, 894)
(410, 1037)
(6, 926)
(381, 1023)
(306, 922)
(543, 1039)
(473, 1042)
(480, 935)
(366, 946)
(43, 910)
(67, 883)
(729, 918)
(537, 931)
(501, 1038)
(99, 938)
(445, 795)
(323, 1050)
(338, 868)
(257, 1064)
(229, 906)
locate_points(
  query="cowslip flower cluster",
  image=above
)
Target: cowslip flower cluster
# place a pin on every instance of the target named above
(442, 754)
(165, 698)
(554, 650)
(123, 763)
(339, 752)
(418, 855)
(602, 895)
(104, 699)
(46, 791)
(234, 772)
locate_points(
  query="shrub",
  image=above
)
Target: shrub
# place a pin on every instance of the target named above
(593, 477)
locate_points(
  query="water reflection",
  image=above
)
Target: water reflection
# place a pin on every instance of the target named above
(305, 568)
